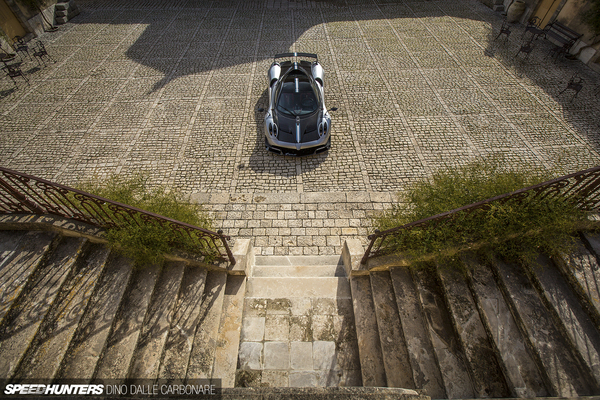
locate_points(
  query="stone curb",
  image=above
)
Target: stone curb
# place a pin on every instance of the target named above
(293, 198)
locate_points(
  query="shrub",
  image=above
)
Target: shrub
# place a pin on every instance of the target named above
(515, 230)
(146, 242)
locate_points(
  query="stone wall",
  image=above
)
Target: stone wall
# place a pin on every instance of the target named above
(572, 16)
(28, 13)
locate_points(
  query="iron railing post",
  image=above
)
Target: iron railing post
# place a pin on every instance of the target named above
(224, 240)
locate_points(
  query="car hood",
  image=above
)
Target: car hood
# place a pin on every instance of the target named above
(306, 127)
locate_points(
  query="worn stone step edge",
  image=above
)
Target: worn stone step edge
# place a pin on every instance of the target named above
(300, 261)
(396, 360)
(571, 318)
(96, 324)
(49, 347)
(521, 370)
(145, 363)
(317, 271)
(558, 366)
(13, 283)
(446, 344)
(201, 359)
(485, 369)
(36, 301)
(326, 393)
(426, 371)
(178, 346)
(228, 341)
(313, 393)
(116, 357)
(369, 344)
(298, 287)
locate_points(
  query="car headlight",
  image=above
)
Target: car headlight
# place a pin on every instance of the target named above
(272, 129)
(323, 128)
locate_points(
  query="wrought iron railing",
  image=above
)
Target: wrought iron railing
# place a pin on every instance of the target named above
(26, 194)
(582, 188)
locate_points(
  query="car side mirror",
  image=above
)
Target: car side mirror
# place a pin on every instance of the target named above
(333, 109)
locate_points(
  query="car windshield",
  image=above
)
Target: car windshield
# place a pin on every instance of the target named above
(297, 96)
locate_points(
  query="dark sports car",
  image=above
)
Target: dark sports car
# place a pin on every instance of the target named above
(297, 122)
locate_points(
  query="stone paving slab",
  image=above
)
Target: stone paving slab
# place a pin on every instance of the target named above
(296, 223)
(173, 88)
(297, 337)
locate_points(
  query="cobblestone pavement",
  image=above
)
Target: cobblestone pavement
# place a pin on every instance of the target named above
(313, 223)
(173, 88)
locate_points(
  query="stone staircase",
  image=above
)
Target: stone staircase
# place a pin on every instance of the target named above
(498, 331)
(70, 308)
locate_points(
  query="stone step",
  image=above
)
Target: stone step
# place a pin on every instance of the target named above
(24, 319)
(321, 393)
(299, 271)
(447, 347)
(95, 326)
(180, 340)
(426, 372)
(577, 324)
(369, 345)
(205, 340)
(593, 240)
(20, 254)
(118, 352)
(582, 267)
(486, 373)
(147, 356)
(275, 287)
(562, 369)
(228, 341)
(48, 348)
(521, 371)
(393, 345)
(297, 261)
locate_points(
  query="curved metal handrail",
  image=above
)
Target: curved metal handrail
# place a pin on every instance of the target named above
(22, 193)
(583, 188)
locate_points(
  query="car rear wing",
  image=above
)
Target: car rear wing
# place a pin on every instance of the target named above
(286, 55)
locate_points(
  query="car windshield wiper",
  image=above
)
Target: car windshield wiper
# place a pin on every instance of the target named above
(289, 111)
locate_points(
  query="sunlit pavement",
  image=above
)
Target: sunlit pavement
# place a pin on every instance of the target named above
(173, 88)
